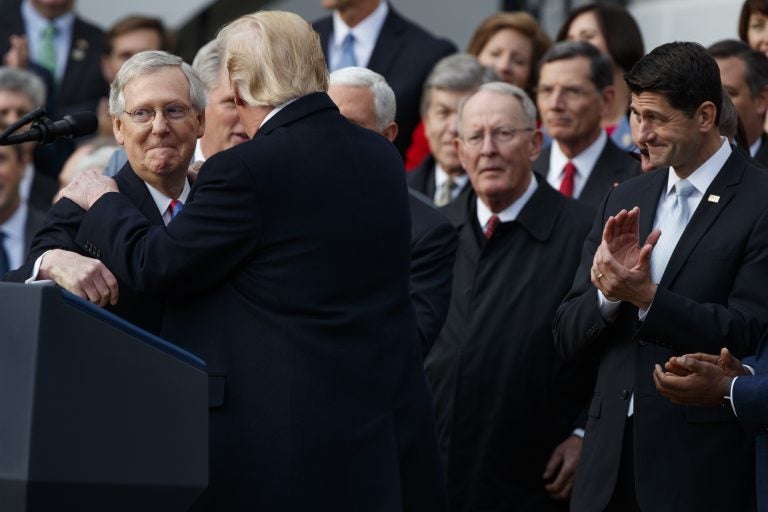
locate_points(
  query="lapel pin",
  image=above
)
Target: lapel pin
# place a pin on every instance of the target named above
(713, 198)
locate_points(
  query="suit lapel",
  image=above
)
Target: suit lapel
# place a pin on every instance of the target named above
(388, 45)
(706, 213)
(136, 190)
(463, 215)
(649, 201)
(541, 165)
(601, 179)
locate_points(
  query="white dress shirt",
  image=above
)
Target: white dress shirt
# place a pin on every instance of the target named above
(14, 229)
(441, 177)
(366, 33)
(509, 213)
(584, 162)
(35, 23)
(163, 202)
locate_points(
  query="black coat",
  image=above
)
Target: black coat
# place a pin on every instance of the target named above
(504, 399)
(298, 243)
(404, 54)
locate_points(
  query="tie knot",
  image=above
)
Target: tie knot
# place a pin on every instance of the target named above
(175, 207)
(349, 41)
(49, 31)
(684, 188)
(569, 169)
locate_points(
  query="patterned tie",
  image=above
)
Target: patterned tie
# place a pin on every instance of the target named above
(566, 186)
(347, 53)
(175, 208)
(672, 227)
(490, 227)
(46, 56)
(445, 193)
(5, 265)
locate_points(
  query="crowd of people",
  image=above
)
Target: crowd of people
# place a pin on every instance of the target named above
(529, 276)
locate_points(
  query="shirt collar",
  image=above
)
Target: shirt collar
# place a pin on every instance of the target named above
(511, 212)
(441, 177)
(35, 22)
(584, 161)
(274, 111)
(199, 156)
(754, 148)
(703, 177)
(162, 201)
(366, 32)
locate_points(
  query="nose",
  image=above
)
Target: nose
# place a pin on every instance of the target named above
(159, 123)
(450, 124)
(642, 131)
(489, 146)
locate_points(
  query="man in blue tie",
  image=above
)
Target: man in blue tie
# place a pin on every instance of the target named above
(675, 263)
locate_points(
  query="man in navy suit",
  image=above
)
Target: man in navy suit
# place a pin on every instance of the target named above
(288, 272)
(575, 86)
(675, 263)
(385, 42)
(365, 98)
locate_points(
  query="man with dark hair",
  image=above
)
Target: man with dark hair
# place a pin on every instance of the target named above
(675, 263)
(744, 73)
(575, 87)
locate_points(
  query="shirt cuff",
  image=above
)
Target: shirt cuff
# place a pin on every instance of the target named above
(749, 368)
(608, 308)
(36, 270)
(578, 432)
(730, 395)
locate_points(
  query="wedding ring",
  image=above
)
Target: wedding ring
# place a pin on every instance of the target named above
(599, 276)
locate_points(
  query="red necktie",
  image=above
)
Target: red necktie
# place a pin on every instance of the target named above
(491, 226)
(175, 207)
(566, 186)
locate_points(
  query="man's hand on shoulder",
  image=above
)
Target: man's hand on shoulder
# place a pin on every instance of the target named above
(87, 278)
(87, 188)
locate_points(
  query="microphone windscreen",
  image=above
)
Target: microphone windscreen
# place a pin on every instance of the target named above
(83, 123)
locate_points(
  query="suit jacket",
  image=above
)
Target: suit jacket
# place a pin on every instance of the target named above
(60, 228)
(422, 178)
(297, 244)
(35, 220)
(761, 157)
(433, 252)
(712, 294)
(42, 191)
(404, 54)
(495, 358)
(611, 168)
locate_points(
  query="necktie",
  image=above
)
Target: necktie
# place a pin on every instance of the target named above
(445, 193)
(5, 265)
(672, 227)
(490, 227)
(175, 208)
(46, 56)
(566, 186)
(347, 53)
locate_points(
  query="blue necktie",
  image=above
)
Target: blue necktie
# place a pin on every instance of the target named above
(176, 206)
(672, 226)
(347, 53)
(5, 265)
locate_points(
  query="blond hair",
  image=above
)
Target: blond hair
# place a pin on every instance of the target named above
(272, 57)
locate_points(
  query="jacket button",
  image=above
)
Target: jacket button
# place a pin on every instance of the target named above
(643, 343)
(624, 394)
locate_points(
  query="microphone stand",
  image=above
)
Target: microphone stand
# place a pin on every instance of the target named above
(37, 117)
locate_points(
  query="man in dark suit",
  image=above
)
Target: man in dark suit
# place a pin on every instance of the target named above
(289, 268)
(398, 49)
(75, 67)
(159, 149)
(674, 264)
(574, 89)
(744, 73)
(440, 176)
(505, 402)
(365, 98)
(18, 220)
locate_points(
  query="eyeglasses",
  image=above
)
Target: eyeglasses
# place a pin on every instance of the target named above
(141, 115)
(568, 92)
(499, 136)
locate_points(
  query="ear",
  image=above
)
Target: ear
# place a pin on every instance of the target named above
(459, 145)
(201, 124)
(236, 94)
(117, 129)
(608, 95)
(390, 132)
(761, 101)
(536, 143)
(705, 115)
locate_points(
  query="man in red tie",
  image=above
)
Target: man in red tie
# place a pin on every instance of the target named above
(575, 85)
(505, 401)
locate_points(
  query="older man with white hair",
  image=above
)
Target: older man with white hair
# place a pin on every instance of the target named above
(364, 97)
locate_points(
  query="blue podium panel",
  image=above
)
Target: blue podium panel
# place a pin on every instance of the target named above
(98, 414)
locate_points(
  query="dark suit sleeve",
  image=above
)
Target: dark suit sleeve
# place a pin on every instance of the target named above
(58, 232)
(217, 230)
(432, 259)
(750, 399)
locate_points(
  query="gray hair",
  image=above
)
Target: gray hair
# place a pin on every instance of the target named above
(208, 63)
(25, 82)
(600, 65)
(384, 101)
(146, 63)
(729, 118)
(529, 109)
(459, 72)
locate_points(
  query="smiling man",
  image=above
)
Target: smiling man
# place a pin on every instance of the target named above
(674, 264)
(495, 356)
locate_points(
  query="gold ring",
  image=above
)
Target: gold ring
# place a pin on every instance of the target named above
(599, 276)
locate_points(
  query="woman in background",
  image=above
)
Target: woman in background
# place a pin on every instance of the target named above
(753, 24)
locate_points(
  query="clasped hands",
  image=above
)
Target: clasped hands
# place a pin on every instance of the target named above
(621, 267)
(87, 188)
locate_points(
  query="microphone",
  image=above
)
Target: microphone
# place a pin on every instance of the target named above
(46, 131)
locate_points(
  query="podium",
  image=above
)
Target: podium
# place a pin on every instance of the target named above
(97, 414)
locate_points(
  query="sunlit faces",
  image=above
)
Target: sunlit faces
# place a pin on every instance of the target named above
(509, 54)
(665, 135)
(496, 147)
(11, 172)
(223, 128)
(126, 46)
(160, 149)
(14, 105)
(757, 32)
(440, 127)
(571, 106)
(585, 28)
(751, 109)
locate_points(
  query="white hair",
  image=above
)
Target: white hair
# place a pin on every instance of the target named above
(529, 109)
(384, 101)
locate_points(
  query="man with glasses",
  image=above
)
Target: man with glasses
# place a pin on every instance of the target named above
(575, 86)
(505, 401)
(157, 103)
